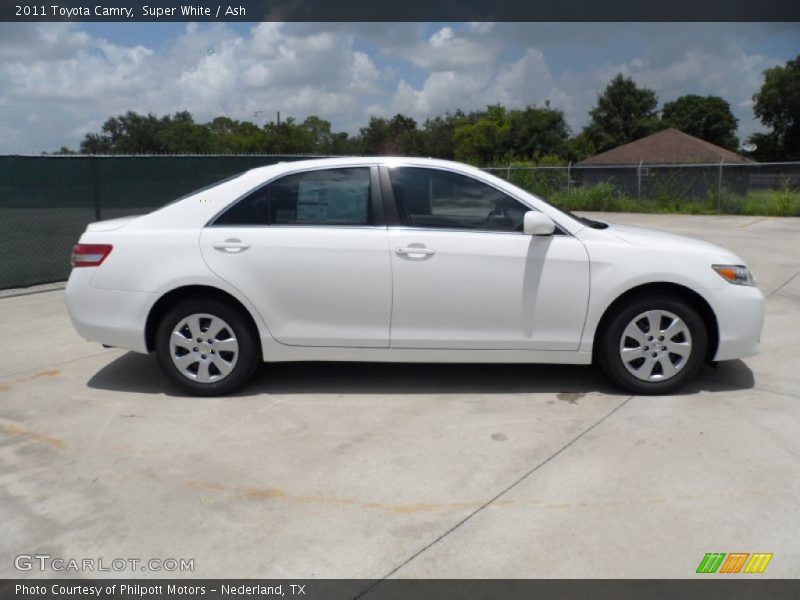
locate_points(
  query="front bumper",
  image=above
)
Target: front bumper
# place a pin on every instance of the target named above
(740, 318)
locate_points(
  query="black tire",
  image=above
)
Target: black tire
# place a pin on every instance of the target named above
(609, 342)
(247, 355)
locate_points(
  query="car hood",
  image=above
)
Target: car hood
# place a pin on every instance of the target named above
(652, 238)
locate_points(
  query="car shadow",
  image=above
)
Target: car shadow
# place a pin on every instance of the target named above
(140, 373)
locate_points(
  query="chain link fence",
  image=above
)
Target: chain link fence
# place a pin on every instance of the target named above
(748, 188)
(47, 201)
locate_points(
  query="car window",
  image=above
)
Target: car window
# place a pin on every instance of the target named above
(440, 199)
(325, 197)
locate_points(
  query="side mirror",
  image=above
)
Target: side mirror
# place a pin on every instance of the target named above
(536, 223)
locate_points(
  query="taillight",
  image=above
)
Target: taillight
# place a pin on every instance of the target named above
(90, 255)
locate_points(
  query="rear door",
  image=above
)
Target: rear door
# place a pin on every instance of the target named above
(309, 250)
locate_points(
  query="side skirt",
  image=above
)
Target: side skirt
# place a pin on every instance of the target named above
(276, 352)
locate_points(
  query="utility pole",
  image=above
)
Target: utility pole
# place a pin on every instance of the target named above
(278, 134)
(277, 129)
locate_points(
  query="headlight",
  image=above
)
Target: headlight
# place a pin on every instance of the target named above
(736, 274)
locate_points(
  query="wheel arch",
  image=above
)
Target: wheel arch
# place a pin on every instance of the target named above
(163, 304)
(672, 289)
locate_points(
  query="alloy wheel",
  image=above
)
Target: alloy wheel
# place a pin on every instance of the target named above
(203, 348)
(655, 345)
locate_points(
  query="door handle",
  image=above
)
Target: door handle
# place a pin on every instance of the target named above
(231, 246)
(412, 251)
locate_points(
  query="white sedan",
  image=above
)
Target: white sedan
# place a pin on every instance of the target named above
(403, 260)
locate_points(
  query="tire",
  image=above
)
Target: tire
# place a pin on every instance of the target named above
(647, 363)
(225, 357)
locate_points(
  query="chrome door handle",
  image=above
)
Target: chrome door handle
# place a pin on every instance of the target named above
(415, 251)
(232, 246)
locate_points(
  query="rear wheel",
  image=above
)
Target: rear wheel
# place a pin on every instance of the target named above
(653, 345)
(206, 347)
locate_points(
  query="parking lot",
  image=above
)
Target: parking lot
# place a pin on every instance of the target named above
(376, 470)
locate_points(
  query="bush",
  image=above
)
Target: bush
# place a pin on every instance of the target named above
(663, 195)
(604, 197)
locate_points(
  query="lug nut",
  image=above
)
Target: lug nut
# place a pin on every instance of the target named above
(194, 349)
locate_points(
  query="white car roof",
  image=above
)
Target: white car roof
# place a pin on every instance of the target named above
(341, 161)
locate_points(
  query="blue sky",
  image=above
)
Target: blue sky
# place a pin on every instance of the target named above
(58, 80)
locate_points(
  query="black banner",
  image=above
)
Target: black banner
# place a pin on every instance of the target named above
(407, 10)
(712, 588)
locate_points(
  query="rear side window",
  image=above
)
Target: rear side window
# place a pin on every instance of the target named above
(326, 197)
(432, 198)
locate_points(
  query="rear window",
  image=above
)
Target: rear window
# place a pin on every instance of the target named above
(324, 197)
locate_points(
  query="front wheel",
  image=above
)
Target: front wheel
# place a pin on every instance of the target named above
(206, 347)
(653, 345)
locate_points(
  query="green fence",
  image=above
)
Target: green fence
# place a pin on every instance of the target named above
(47, 201)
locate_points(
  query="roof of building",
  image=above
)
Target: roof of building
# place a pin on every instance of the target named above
(669, 146)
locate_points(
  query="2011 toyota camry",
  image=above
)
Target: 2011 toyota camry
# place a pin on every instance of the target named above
(400, 259)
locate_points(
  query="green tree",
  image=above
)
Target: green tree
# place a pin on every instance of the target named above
(229, 136)
(181, 135)
(777, 105)
(578, 148)
(130, 133)
(64, 150)
(483, 138)
(438, 135)
(287, 137)
(536, 132)
(624, 112)
(398, 135)
(133, 133)
(707, 117)
(321, 137)
(319, 134)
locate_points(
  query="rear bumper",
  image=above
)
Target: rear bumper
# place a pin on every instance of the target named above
(111, 317)
(740, 318)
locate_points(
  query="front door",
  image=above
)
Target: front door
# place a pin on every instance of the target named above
(466, 277)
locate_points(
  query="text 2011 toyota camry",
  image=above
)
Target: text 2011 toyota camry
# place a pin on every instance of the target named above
(399, 259)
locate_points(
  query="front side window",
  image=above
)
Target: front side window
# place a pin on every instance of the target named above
(431, 198)
(325, 197)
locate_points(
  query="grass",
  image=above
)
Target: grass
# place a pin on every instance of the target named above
(603, 197)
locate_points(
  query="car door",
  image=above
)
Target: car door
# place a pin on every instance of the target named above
(309, 251)
(466, 277)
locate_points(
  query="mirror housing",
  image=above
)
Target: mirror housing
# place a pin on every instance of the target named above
(536, 223)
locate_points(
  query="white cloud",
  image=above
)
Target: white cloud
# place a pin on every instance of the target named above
(208, 70)
(481, 26)
(447, 50)
(57, 82)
